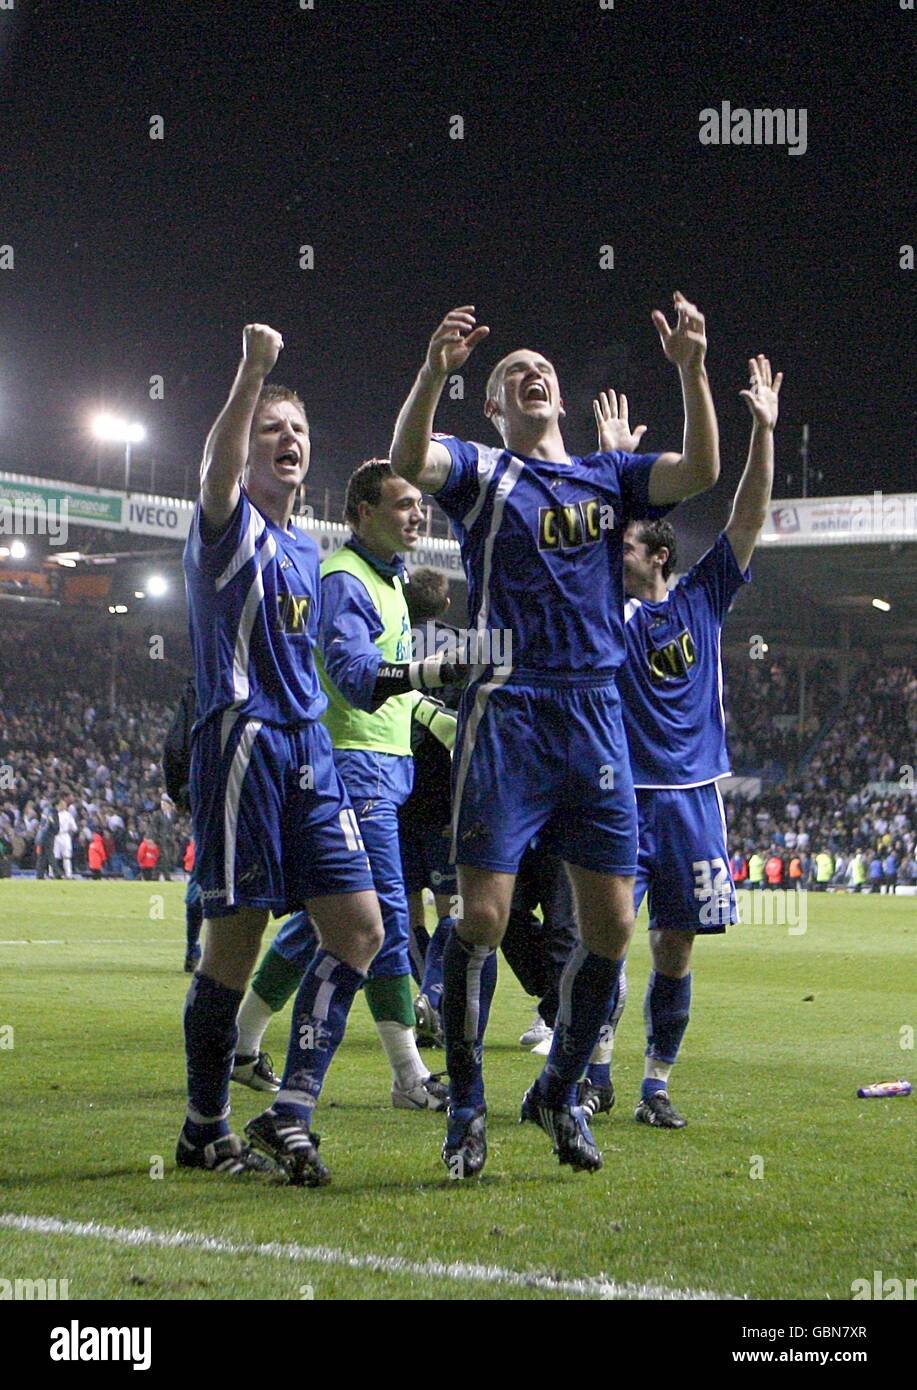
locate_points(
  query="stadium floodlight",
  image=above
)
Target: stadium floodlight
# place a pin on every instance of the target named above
(4, 552)
(117, 608)
(139, 593)
(882, 604)
(66, 561)
(112, 430)
(156, 586)
(18, 550)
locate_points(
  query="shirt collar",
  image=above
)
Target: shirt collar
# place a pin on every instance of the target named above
(389, 569)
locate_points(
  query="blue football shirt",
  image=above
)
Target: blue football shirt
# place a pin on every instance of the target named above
(542, 546)
(672, 682)
(253, 608)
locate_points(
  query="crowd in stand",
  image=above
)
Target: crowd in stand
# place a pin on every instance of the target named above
(846, 817)
(65, 751)
(81, 785)
(762, 711)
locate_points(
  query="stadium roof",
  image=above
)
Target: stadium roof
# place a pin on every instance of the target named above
(811, 595)
(815, 579)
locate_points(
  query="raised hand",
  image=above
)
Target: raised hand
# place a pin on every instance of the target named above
(685, 345)
(261, 346)
(454, 341)
(763, 392)
(612, 424)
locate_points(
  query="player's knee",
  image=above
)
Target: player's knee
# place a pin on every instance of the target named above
(610, 936)
(365, 936)
(671, 951)
(482, 923)
(374, 937)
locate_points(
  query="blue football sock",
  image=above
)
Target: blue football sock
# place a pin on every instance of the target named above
(588, 995)
(418, 944)
(320, 1013)
(599, 1073)
(194, 918)
(666, 1010)
(432, 983)
(470, 978)
(210, 1045)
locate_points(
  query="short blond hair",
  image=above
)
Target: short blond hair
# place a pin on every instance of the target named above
(272, 392)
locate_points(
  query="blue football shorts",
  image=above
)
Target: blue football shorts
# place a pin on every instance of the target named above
(273, 823)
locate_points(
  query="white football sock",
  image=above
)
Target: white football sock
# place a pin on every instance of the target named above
(254, 1016)
(654, 1070)
(400, 1047)
(601, 1053)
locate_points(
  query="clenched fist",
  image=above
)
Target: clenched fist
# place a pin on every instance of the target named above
(261, 347)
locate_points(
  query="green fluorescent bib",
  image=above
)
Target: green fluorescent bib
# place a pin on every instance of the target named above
(388, 730)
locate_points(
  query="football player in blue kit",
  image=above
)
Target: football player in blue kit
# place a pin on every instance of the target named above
(672, 692)
(540, 744)
(274, 828)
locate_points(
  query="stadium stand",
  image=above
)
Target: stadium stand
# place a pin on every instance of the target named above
(61, 737)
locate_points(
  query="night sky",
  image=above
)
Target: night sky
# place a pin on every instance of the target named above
(330, 127)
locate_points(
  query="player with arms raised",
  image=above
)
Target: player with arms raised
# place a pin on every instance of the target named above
(273, 826)
(672, 691)
(540, 744)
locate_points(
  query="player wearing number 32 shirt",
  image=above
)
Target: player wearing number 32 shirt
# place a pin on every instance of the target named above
(671, 689)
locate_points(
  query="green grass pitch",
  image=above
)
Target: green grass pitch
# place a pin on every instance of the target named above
(785, 1027)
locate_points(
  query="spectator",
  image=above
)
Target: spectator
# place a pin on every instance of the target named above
(96, 855)
(148, 858)
(890, 872)
(824, 871)
(63, 840)
(856, 873)
(773, 869)
(163, 829)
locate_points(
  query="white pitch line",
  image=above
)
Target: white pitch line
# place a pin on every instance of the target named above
(459, 1272)
(96, 941)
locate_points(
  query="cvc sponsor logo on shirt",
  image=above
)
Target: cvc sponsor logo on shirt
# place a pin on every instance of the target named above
(673, 661)
(293, 612)
(571, 525)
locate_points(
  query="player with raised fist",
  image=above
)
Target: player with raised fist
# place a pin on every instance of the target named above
(274, 828)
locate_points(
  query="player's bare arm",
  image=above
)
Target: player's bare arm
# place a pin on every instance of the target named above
(226, 449)
(612, 424)
(413, 456)
(697, 467)
(749, 510)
